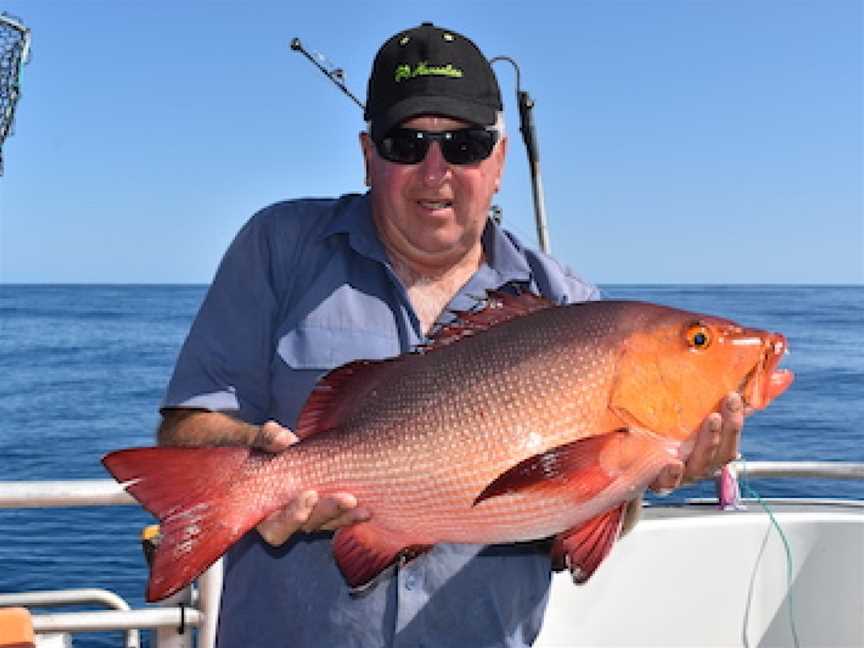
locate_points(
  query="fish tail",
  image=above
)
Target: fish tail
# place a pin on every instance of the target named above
(205, 499)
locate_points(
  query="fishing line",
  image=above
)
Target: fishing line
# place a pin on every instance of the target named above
(750, 492)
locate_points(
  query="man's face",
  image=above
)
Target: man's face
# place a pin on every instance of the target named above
(432, 213)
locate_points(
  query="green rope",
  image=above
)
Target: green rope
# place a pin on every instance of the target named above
(749, 492)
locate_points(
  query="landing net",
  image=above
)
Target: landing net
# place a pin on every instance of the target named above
(14, 51)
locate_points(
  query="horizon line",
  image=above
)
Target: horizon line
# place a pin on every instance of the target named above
(859, 284)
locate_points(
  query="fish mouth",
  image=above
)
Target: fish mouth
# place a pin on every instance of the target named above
(765, 381)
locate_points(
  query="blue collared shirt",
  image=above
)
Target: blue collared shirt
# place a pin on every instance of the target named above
(306, 286)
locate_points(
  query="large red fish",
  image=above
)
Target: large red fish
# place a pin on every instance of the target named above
(520, 421)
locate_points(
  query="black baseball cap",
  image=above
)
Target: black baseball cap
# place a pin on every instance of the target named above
(430, 70)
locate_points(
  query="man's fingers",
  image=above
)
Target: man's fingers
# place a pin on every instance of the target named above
(717, 441)
(282, 524)
(707, 442)
(272, 437)
(732, 411)
(669, 478)
(309, 513)
(334, 511)
(353, 516)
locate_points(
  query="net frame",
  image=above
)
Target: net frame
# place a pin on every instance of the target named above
(14, 54)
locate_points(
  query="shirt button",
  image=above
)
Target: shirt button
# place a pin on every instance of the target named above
(410, 582)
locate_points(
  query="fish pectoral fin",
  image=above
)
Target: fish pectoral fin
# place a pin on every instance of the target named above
(363, 551)
(576, 467)
(582, 548)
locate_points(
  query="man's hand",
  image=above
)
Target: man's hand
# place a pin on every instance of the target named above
(717, 444)
(306, 512)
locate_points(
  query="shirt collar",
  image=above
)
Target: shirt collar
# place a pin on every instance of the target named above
(354, 218)
(505, 259)
(503, 256)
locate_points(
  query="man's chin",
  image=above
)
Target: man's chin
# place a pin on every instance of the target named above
(440, 251)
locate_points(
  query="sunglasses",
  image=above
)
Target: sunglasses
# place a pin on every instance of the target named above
(462, 146)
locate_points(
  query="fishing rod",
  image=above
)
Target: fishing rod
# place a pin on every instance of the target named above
(526, 127)
(336, 75)
(529, 136)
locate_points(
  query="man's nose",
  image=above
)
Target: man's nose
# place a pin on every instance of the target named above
(434, 167)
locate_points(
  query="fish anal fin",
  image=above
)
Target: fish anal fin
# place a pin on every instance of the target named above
(498, 307)
(339, 391)
(580, 468)
(363, 551)
(582, 548)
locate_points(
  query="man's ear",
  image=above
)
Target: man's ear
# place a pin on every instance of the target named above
(501, 151)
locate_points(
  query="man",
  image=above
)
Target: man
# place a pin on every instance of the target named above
(310, 285)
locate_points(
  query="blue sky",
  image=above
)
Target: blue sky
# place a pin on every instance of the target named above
(680, 141)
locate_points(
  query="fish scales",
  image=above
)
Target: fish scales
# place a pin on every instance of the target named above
(526, 395)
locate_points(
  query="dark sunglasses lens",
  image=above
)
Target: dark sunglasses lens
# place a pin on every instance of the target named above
(403, 147)
(464, 146)
(468, 146)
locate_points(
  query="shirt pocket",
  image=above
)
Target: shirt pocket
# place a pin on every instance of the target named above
(312, 346)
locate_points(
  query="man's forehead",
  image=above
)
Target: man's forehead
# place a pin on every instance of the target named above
(435, 122)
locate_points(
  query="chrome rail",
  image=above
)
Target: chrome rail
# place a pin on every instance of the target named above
(54, 598)
(728, 478)
(173, 620)
(117, 620)
(809, 469)
(52, 494)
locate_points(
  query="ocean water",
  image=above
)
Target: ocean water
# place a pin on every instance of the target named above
(82, 370)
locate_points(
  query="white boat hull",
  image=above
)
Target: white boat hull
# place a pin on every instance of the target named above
(690, 577)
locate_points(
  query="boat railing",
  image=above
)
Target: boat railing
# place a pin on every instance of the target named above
(197, 607)
(117, 618)
(807, 469)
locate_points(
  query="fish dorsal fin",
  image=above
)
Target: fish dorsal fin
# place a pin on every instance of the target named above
(496, 308)
(338, 392)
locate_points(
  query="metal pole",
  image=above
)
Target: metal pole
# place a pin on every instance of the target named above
(816, 469)
(117, 620)
(529, 136)
(178, 635)
(45, 494)
(209, 595)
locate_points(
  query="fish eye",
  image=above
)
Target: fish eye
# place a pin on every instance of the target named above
(698, 336)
